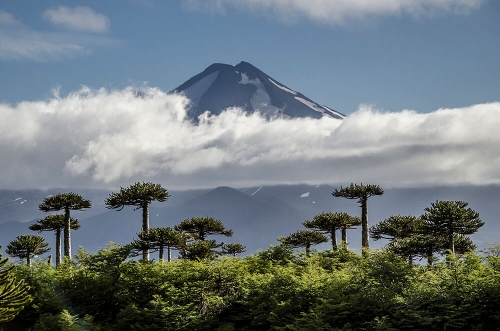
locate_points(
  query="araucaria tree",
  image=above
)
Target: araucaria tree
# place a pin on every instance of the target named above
(26, 246)
(233, 249)
(451, 218)
(54, 223)
(198, 228)
(329, 223)
(161, 238)
(304, 238)
(140, 195)
(362, 193)
(67, 202)
(13, 294)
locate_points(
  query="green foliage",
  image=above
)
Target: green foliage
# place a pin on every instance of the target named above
(62, 201)
(448, 218)
(139, 195)
(14, 294)
(233, 249)
(304, 238)
(200, 227)
(26, 246)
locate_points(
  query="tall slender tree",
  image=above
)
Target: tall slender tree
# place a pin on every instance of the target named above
(362, 193)
(140, 195)
(26, 246)
(304, 238)
(329, 223)
(161, 238)
(13, 294)
(67, 202)
(55, 223)
(449, 218)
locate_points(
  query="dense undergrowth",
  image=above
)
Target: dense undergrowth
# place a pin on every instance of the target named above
(271, 290)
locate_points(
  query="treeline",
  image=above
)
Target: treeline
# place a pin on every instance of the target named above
(275, 289)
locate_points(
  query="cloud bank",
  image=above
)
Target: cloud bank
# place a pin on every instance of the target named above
(101, 138)
(338, 11)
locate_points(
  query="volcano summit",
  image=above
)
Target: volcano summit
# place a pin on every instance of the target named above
(221, 86)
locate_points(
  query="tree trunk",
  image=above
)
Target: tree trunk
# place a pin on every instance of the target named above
(160, 257)
(451, 242)
(58, 247)
(308, 250)
(169, 253)
(49, 260)
(364, 223)
(344, 236)
(67, 233)
(145, 227)
(333, 235)
(28, 258)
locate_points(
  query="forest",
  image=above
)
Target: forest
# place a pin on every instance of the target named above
(429, 276)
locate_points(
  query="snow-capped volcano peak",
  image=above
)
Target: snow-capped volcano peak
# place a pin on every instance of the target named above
(221, 86)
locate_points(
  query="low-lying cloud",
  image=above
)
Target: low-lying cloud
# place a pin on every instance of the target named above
(338, 11)
(101, 138)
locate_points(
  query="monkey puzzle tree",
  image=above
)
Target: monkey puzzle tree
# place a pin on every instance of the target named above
(348, 223)
(233, 249)
(362, 193)
(304, 238)
(26, 246)
(451, 218)
(329, 223)
(54, 223)
(13, 294)
(161, 238)
(140, 195)
(200, 227)
(67, 202)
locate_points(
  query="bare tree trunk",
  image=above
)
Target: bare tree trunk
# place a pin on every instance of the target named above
(333, 235)
(58, 247)
(67, 233)
(364, 224)
(344, 236)
(169, 253)
(28, 258)
(145, 227)
(451, 240)
(160, 254)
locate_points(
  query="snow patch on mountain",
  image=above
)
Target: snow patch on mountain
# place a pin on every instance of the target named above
(311, 105)
(336, 113)
(282, 87)
(305, 195)
(257, 190)
(17, 199)
(260, 100)
(23, 201)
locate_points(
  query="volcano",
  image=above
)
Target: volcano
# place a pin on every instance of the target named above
(222, 86)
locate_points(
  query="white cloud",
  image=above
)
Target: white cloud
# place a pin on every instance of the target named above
(19, 41)
(78, 18)
(106, 138)
(338, 11)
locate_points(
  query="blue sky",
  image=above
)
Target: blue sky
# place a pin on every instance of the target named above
(419, 81)
(406, 58)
